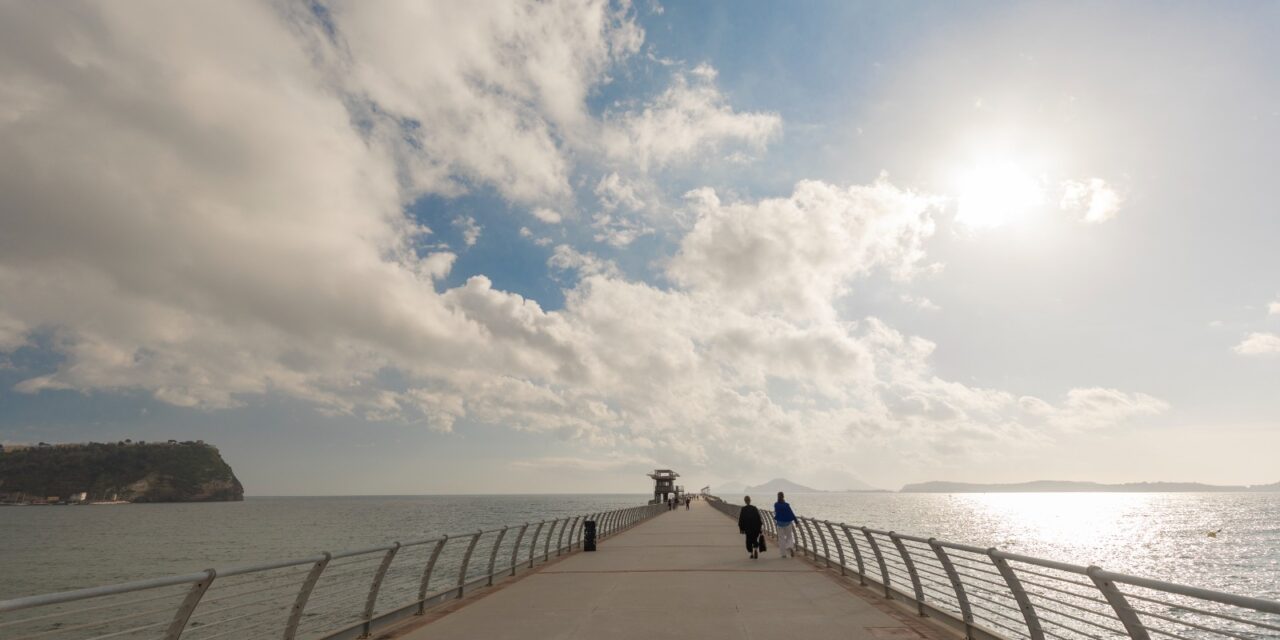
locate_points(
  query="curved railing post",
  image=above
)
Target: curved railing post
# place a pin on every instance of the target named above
(493, 555)
(560, 538)
(372, 601)
(515, 547)
(304, 593)
(839, 549)
(857, 554)
(810, 547)
(966, 613)
(797, 535)
(533, 544)
(189, 603)
(911, 571)
(466, 560)
(426, 574)
(1116, 599)
(1019, 594)
(884, 569)
(573, 532)
(826, 550)
(546, 544)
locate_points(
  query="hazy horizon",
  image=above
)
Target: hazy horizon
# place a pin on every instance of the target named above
(396, 248)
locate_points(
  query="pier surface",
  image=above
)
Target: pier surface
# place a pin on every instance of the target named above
(683, 574)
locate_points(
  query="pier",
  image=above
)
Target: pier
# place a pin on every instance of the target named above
(654, 573)
(683, 574)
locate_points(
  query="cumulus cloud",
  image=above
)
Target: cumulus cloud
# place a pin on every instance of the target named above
(549, 216)
(210, 223)
(691, 119)
(605, 462)
(919, 302)
(615, 192)
(566, 258)
(1274, 308)
(469, 228)
(618, 231)
(1093, 200)
(13, 333)
(1259, 344)
(486, 91)
(793, 255)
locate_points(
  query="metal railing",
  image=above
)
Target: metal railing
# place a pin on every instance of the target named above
(331, 596)
(991, 594)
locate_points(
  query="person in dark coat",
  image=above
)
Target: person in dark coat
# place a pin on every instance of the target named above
(749, 523)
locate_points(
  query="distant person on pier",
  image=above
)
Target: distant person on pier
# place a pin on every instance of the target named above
(786, 519)
(749, 523)
(687, 500)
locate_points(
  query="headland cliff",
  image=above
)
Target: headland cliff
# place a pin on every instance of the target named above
(117, 471)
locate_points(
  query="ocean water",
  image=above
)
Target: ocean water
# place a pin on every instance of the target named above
(57, 548)
(1160, 535)
(1156, 535)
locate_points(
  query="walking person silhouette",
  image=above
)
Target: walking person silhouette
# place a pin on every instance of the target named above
(749, 523)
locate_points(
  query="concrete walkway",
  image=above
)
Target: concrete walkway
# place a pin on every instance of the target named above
(684, 574)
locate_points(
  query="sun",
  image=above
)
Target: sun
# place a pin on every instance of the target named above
(996, 193)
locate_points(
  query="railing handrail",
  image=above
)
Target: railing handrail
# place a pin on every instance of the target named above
(611, 522)
(1014, 582)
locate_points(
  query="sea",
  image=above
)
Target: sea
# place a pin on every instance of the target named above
(1160, 535)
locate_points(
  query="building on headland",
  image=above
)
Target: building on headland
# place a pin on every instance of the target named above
(79, 498)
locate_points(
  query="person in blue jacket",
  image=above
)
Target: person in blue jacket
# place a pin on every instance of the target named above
(786, 519)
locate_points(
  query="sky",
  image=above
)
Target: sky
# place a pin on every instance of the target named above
(523, 247)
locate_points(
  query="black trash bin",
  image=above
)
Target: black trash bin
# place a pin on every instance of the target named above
(589, 535)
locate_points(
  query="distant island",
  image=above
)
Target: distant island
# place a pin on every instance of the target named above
(115, 472)
(1048, 486)
(782, 484)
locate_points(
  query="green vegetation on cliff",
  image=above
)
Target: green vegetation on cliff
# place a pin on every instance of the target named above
(137, 472)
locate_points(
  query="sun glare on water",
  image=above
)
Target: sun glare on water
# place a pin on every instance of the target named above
(994, 194)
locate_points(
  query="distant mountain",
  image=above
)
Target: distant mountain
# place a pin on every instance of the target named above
(780, 484)
(1046, 486)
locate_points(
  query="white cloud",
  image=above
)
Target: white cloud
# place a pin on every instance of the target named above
(793, 255)
(567, 258)
(618, 231)
(1259, 344)
(1092, 200)
(689, 120)
(13, 333)
(489, 88)
(209, 223)
(470, 229)
(546, 215)
(919, 302)
(437, 265)
(1274, 308)
(615, 192)
(605, 462)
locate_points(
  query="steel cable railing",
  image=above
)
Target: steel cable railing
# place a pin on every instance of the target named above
(328, 596)
(991, 594)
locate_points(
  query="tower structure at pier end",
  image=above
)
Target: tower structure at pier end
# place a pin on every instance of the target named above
(664, 485)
